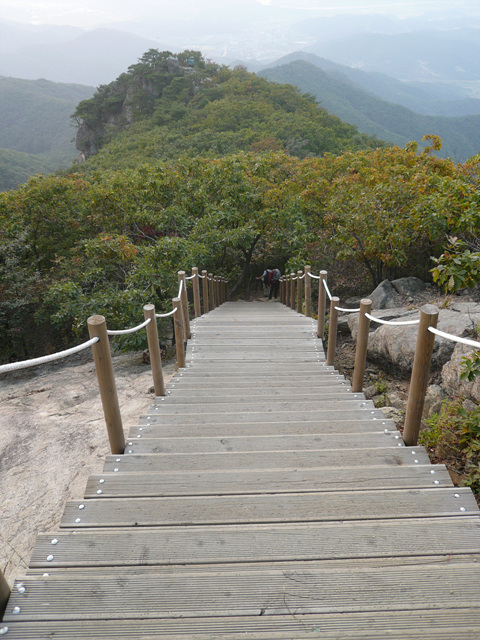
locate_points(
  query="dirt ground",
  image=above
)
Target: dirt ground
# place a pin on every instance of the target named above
(52, 437)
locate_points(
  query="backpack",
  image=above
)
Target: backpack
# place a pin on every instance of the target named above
(276, 275)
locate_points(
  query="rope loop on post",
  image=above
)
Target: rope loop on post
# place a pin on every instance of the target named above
(190, 277)
(313, 275)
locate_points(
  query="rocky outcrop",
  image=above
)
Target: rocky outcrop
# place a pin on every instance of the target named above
(392, 348)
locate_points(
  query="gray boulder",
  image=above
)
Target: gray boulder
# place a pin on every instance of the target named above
(451, 371)
(384, 296)
(409, 286)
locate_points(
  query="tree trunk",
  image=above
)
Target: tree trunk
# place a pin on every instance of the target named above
(246, 267)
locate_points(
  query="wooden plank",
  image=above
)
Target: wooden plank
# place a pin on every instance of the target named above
(190, 483)
(388, 456)
(258, 543)
(262, 395)
(259, 593)
(297, 442)
(167, 428)
(186, 417)
(315, 404)
(438, 624)
(291, 507)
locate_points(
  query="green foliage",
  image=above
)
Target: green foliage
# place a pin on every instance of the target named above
(455, 434)
(168, 106)
(470, 367)
(458, 267)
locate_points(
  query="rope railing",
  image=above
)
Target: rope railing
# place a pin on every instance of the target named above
(347, 310)
(213, 296)
(393, 323)
(166, 315)
(449, 336)
(124, 332)
(426, 333)
(34, 362)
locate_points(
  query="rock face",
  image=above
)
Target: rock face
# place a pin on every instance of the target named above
(52, 428)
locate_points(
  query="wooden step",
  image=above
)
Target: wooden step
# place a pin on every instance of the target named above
(388, 456)
(189, 483)
(290, 507)
(260, 593)
(296, 442)
(258, 544)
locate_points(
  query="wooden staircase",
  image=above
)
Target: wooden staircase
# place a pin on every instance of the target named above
(260, 499)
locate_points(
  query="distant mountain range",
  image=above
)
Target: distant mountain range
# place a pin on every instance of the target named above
(67, 54)
(352, 103)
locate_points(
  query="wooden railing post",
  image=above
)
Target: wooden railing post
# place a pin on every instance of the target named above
(179, 332)
(206, 308)
(211, 291)
(217, 290)
(322, 304)
(196, 292)
(332, 331)
(308, 291)
(292, 291)
(362, 345)
(97, 328)
(420, 374)
(4, 593)
(184, 297)
(281, 289)
(154, 350)
(299, 292)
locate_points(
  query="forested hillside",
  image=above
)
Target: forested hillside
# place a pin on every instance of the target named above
(392, 122)
(195, 164)
(170, 105)
(35, 120)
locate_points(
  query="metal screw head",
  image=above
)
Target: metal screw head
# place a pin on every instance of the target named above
(49, 558)
(81, 506)
(77, 520)
(54, 541)
(99, 492)
(3, 631)
(16, 610)
(456, 495)
(462, 509)
(101, 481)
(115, 470)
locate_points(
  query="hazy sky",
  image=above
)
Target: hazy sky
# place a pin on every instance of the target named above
(91, 13)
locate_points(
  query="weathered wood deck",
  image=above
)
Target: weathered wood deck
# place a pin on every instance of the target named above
(260, 499)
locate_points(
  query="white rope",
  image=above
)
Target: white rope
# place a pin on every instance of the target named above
(293, 279)
(125, 331)
(313, 276)
(180, 289)
(165, 315)
(301, 277)
(327, 289)
(393, 323)
(471, 343)
(190, 277)
(201, 276)
(347, 310)
(15, 366)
